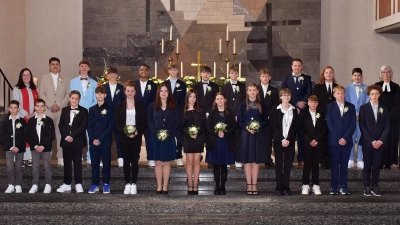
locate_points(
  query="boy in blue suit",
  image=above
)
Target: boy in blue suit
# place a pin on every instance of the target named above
(341, 121)
(356, 95)
(86, 86)
(100, 126)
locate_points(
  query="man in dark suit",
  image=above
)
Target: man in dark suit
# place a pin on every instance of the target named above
(301, 87)
(146, 94)
(114, 95)
(73, 124)
(375, 126)
(235, 93)
(206, 90)
(178, 90)
(341, 121)
(269, 96)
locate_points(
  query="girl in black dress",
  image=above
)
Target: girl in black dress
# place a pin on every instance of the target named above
(193, 126)
(220, 144)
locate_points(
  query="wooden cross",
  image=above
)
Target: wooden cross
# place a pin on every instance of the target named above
(198, 65)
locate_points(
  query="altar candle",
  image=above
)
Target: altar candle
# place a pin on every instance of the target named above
(215, 68)
(181, 69)
(240, 70)
(177, 45)
(234, 46)
(227, 33)
(155, 69)
(220, 46)
(170, 33)
(162, 46)
(227, 70)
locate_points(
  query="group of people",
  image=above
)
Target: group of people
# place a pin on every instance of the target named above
(237, 125)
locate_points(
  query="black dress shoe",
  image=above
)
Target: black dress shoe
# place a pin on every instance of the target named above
(222, 191)
(159, 192)
(217, 192)
(269, 164)
(164, 192)
(279, 193)
(287, 193)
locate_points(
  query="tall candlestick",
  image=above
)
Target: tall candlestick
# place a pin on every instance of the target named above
(227, 69)
(234, 46)
(155, 69)
(162, 46)
(220, 47)
(177, 45)
(181, 69)
(170, 33)
(227, 33)
(240, 69)
(215, 68)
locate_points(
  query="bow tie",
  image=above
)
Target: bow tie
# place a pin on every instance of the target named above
(234, 84)
(84, 78)
(73, 108)
(205, 83)
(356, 85)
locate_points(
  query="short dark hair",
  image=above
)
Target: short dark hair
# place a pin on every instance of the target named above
(100, 89)
(264, 71)
(205, 69)
(313, 98)
(144, 64)
(40, 101)
(374, 87)
(14, 102)
(84, 61)
(54, 59)
(112, 69)
(297, 60)
(21, 83)
(284, 91)
(75, 92)
(356, 70)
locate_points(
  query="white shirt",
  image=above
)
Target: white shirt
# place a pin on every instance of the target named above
(265, 88)
(375, 109)
(143, 87)
(113, 87)
(386, 86)
(84, 84)
(55, 80)
(286, 120)
(357, 87)
(13, 127)
(173, 83)
(234, 86)
(131, 117)
(205, 86)
(39, 127)
(72, 115)
(341, 107)
(313, 117)
(295, 77)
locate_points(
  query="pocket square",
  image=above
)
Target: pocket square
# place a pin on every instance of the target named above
(179, 90)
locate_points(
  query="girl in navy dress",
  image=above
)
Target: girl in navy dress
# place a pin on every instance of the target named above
(220, 144)
(162, 119)
(192, 126)
(252, 142)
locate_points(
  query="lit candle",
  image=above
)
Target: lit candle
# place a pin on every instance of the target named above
(215, 68)
(227, 70)
(181, 69)
(162, 46)
(170, 33)
(240, 70)
(155, 69)
(227, 33)
(177, 45)
(234, 46)
(220, 46)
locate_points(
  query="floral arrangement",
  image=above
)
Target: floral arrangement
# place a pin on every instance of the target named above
(129, 130)
(190, 81)
(254, 125)
(162, 135)
(220, 127)
(157, 81)
(193, 130)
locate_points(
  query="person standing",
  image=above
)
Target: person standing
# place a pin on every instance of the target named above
(206, 90)
(56, 97)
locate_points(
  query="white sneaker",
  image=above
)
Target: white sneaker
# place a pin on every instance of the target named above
(101, 164)
(179, 162)
(88, 162)
(360, 165)
(33, 189)
(133, 189)
(238, 165)
(18, 189)
(120, 162)
(228, 166)
(152, 163)
(47, 189)
(127, 190)
(316, 189)
(64, 188)
(60, 162)
(351, 164)
(10, 189)
(305, 190)
(78, 188)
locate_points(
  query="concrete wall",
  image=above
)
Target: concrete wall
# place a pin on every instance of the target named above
(348, 40)
(54, 28)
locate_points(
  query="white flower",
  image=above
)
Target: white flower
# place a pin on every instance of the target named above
(269, 93)
(76, 112)
(149, 87)
(59, 80)
(254, 125)
(242, 79)
(116, 91)
(177, 85)
(346, 109)
(360, 90)
(162, 135)
(208, 88)
(18, 125)
(103, 112)
(237, 88)
(193, 130)
(317, 115)
(89, 85)
(41, 123)
(301, 78)
(380, 110)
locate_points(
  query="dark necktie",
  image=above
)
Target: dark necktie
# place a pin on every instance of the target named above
(83, 78)
(329, 89)
(296, 79)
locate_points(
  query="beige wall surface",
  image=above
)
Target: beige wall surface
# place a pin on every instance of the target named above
(54, 28)
(348, 40)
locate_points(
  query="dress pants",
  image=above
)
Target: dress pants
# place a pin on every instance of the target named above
(339, 166)
(147, 135)
(269, 132)
(117, 141)
(357, 134)
(105, 153)
(300, 157)
(372, 163)
(56, 119)
(36, 164)
(131, 153)
(283, 165)
(18, 167)
(311, 164)
(72, 154)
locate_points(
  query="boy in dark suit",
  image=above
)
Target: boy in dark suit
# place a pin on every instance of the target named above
(40, 133)
(178, 90)
(13, 139)
(341, 121)
(73, 124)
(100, 126)
(206, 89)
(375, 126)
(314, 133)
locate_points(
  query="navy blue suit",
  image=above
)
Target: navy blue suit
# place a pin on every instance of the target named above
(340, 127)
(119, 96)
(301, 90)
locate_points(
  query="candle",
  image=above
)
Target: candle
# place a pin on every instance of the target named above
(227, 70)
(162, 46)
(227, 33)
(181, 69)
(234, 46)
(220, 46)
(215, 68)
(155, 69)
(240, 70)
(170, 33)
(177, 45)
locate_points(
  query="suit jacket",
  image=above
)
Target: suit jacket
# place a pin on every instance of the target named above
(234, 99)
(371, 130)
(213, 119)
(206, 101)
(89, 98)
(100, 124)
(340, 127)
(300, 91)
(277, 116)
(309, 132)
(6, 134)
(389, 99)
(140, 117)
(155, 120)
(77, 130)
(351, 96)
(119, 95)
(179, 92)
(59, 96)
(271, 101)
(324, 97)
(149, 94)
(47, 134)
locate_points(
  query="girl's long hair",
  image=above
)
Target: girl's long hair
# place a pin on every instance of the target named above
(171, 103)
(258, 101)
(196, 106)
(214, 106)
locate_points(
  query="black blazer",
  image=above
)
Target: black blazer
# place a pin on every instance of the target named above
(118, 96)
(319, 133)
(371, 130)
(277, 116)
(120, 118)
(77, 130)
(149, 93)
(234, 99)
(179, 92)
(100, 126)
(47, 134)
(271, 101)
(206, 101)
(324, 97)
(156, 123)
(300, 92)
(6, 134)
(213, 119)
(198, 119)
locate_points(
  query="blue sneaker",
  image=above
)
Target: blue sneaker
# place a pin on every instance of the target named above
(344, 191)
(93, 189)
(106, 189)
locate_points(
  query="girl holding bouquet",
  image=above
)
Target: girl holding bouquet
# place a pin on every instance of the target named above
(130, 120)
(221, 125)
(193, 127)
(162, 118)
(252, 119)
